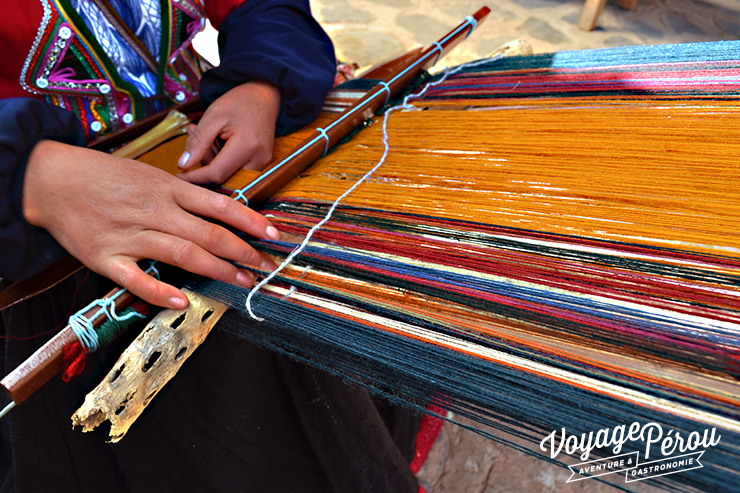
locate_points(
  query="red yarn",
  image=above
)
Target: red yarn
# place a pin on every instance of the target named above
(73, 360)
(73, 354)
(425, 438)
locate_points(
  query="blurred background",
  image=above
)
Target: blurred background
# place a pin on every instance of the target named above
(368, 31)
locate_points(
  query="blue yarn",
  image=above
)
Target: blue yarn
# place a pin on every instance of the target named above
(387, 89)
(83, 327)
(326, 145)
(627, 57)
(473, 24)
(408, 371)
(544, 297)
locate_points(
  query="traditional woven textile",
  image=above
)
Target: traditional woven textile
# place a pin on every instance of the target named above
(553, 242)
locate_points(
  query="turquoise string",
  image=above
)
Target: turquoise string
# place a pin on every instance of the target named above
(441, 51)
(324, 136)
(239, 195)
(387, 89)
(83, 327)
(473, 24)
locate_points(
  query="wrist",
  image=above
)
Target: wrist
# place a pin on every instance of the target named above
(264, 92)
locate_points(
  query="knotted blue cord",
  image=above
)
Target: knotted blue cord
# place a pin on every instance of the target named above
(473, 25)
(82, 326)
(441, 50)
(324, 136)
(240, 195)
(387, 89)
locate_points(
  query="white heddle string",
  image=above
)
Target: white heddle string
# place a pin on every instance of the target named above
(405, 105)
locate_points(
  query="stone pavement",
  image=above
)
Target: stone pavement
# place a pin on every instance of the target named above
(368, 31)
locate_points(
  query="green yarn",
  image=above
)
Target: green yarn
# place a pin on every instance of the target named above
(109, 330)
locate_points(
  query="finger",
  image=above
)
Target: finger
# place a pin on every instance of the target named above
(236, 154)
(208, 156)
(206, 174)
(128, 275)
(225, 163)
(197, 176)
(221, 208)
(191, 257)
(243, 153)
(200, 140)
(217, 240)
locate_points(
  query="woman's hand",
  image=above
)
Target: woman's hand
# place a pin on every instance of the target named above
(245, 119)
(110, 212)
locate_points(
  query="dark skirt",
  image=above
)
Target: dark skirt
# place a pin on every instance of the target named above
(235, 418)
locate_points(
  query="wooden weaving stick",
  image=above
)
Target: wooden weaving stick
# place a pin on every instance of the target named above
(46, 362)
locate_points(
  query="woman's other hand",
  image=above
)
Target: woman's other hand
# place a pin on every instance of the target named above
(244, 118)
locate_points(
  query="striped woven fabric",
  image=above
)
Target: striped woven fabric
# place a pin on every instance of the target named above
(552, 244)
(701, 70)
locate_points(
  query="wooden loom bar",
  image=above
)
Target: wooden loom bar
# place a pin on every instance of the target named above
(38, 369)
(278, 174)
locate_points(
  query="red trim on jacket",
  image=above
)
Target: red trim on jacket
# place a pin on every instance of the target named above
(21, 20)
(218, 10)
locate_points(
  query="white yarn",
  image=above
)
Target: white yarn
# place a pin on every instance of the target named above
(405, 105)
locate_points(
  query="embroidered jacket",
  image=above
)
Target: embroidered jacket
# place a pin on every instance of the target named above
(102, 68)
(68, 65)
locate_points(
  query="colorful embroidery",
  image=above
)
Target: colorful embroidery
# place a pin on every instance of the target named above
(70, 67)
(129, 65)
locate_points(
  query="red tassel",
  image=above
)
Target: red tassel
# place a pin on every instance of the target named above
(73, 360)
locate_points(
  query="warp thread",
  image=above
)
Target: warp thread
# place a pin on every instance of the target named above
(545, 269)
(557, 275)
(404, 105)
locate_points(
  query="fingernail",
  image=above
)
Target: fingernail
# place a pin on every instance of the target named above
(245, 279)
(268, 265)
(178, 303)
(183, 161)
(272, 233)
